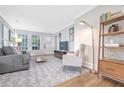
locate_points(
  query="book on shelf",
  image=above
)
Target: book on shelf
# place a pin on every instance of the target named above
(111, 45)
(114, 45)
(105, 16)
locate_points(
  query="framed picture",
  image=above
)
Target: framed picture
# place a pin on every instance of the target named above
(59, 37)
(71, 34)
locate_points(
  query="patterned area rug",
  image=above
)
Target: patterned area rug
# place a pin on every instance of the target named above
(47, 74)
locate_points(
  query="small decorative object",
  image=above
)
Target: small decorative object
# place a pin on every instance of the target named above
(113, 28)
(121, 44)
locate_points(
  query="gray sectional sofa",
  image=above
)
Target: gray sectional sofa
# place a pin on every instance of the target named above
(11, 62)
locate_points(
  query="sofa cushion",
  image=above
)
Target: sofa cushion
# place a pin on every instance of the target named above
(7, 50)
(1, 52)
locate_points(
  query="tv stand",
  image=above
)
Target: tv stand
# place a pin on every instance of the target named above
(59, 53)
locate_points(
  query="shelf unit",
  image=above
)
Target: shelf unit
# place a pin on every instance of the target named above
(110, 68)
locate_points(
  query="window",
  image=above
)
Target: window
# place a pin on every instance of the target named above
(71, 34)
(23, 42)
(35, 42)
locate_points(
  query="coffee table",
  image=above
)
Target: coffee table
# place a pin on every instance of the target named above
(41, 58)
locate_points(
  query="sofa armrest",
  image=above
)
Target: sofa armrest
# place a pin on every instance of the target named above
(26, 58)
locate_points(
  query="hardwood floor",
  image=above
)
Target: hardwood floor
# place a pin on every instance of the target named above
(90, 80)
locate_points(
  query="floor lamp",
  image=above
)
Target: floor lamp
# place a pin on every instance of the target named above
(85, 23)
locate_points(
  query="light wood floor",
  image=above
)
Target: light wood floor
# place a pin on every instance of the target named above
(89, 80)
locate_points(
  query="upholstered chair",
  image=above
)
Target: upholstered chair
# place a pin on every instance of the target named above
(73, 60)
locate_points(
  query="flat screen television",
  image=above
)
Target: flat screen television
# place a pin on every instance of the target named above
(64, 45)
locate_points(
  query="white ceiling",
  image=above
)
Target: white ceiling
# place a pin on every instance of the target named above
(42, 18)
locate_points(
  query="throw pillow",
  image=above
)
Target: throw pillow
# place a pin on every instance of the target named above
(17, 50)
(7, 50)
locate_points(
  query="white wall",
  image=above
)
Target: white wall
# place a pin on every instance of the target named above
(83, 33)
(65, 37)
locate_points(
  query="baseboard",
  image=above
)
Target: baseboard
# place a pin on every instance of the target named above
(88, 65)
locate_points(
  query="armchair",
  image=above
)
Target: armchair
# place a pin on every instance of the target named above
(70, 59)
